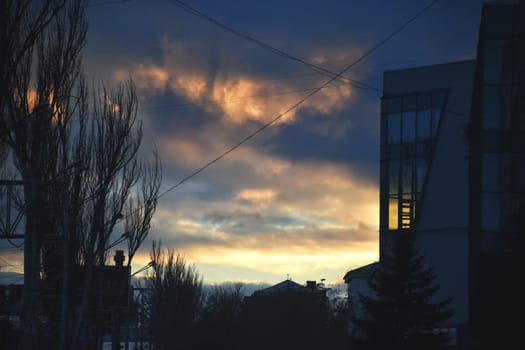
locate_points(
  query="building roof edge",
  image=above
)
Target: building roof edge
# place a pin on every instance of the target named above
(361, 271)
(431, 65)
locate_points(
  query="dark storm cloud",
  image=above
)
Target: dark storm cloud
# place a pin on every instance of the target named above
(241, 222)
(309, 29)
(348, 137)
(302, 196)
(255, 231)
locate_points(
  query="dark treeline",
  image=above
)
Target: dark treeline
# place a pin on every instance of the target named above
(185, 315)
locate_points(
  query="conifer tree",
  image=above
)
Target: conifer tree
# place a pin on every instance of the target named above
(402, 312)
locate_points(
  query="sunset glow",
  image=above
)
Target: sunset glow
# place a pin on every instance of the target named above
(248, 192)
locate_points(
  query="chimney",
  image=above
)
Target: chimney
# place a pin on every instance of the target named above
(119, 258)
(311, 284)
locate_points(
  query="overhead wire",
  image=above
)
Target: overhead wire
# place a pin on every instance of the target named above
(178, 106)
(332, 77)
(316, 68)
(7, 263)
(301, 101)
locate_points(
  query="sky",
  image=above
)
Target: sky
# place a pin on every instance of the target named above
(300, 199)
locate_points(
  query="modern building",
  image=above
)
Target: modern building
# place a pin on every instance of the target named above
(424, 170)
(453, 166)
(497, 177)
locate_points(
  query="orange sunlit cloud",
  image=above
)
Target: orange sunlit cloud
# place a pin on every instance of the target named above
(279, 216)
(33, 100)
(182, 151)
(147, 77)
(320, 188)
(239, 97)
(192, 86)
(257, 196)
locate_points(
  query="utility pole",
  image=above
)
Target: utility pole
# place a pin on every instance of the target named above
(8, 230)
(65, 302)
(65, 267)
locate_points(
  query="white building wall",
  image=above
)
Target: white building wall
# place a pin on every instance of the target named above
(441, 221)
(357, 285)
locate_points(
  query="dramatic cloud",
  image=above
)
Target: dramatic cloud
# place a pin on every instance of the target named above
(147, 77)
(261, 197)
(301, 198)
(300, 218)
(237, 96)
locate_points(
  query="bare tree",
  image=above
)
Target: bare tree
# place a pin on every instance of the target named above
(141, 207)
(224, 303)
(111, 144)
(176, 296)
(21, 24)
(78, 158)
(220, 319)
(39, 63)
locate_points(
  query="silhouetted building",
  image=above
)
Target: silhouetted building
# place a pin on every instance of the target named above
(10, 301)
(453, 167)
(497, 177)
(358, 280)
(424, 171)
(286, 316)
(109, 298)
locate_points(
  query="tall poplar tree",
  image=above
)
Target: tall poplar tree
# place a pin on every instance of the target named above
(402, 311)
(77, 155)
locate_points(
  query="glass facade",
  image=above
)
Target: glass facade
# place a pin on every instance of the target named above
(410, 124)
(501, 120)
(497, 176)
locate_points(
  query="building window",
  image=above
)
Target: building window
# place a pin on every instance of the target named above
(499, 107)
(412, 123)
(394, 128)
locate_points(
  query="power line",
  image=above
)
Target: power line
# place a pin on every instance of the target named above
(7, 263)
(316, 68)
(301, 101)
(206, 103)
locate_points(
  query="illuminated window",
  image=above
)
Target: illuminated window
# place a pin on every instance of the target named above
(393, 222)
(412, 123)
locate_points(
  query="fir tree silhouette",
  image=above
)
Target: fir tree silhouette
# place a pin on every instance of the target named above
(402, 312)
